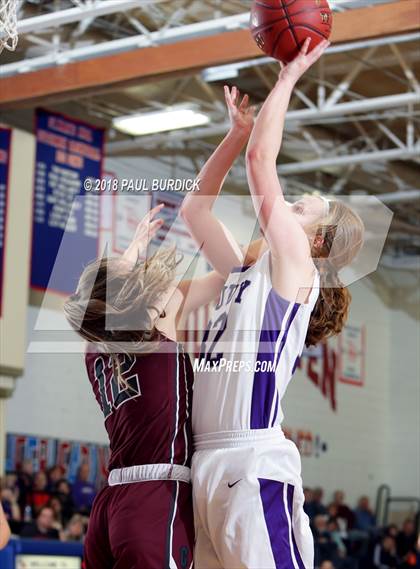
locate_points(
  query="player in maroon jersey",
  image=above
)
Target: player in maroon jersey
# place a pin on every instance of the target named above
(128, 312)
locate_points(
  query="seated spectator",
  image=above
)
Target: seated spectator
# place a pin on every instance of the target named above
(385, 554)
(392, 530)
(83, 491)
(11, 482)
(335, 533)
(75, 530)
(64, 494)
(307, 492)
(9, 501)
(406, 539)
(39, 496)
(43, 527)
(364, 517)
(4, 529)
(25, 481)
(57, 507)
(327, 564)
(317, 498)
(332, 512)
(55, 474)
(313, 506)
(325, 547)
(343, 511)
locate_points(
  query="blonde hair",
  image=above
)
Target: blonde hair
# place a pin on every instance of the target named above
(342, 233)
(115, 306)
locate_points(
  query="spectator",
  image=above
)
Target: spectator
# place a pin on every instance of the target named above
(9, 502)
(327, 564)
(313, 503)
(83, 492)
(406, 539)
(392, 530)
(4, 529)
(75, 530)
(57, 507)
(335, 534)
(307, 492)
(9, 494)
(318, 496)
(55, 474)
(343, 511)
(11, 482)
(364, 517)
(385, 554)
(64, 494)
(332, 512)
(39, 496)
(25, 481)
(43, 527)
(325, 547)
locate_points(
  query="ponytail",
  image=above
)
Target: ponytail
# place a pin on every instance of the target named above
(332, 307)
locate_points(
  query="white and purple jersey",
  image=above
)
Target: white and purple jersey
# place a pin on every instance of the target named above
(249, 353)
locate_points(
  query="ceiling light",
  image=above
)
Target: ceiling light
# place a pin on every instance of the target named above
(219, 73)
(171, 118)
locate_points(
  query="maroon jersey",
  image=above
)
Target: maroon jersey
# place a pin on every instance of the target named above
(149, 422)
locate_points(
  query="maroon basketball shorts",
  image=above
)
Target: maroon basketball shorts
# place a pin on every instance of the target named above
(142, 520)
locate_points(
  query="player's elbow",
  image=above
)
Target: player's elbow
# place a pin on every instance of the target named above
(188, 209)
(193, 206)
(258, 155)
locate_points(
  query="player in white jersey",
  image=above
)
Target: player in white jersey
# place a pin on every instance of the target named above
(278, 296)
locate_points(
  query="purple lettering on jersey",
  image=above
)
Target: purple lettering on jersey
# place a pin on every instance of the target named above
(221, 300)
(232, 289)
(244, 285)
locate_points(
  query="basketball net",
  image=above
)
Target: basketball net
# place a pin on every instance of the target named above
(8, 25)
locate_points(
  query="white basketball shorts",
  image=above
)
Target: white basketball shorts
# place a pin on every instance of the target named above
(248, 502)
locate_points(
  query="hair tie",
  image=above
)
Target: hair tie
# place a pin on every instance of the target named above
(326, 203)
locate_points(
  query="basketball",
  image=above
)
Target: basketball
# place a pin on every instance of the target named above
(280, 27)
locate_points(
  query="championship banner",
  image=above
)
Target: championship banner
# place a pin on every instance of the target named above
(68, 153)
(45, 452)
(5, 141)
(352, 351)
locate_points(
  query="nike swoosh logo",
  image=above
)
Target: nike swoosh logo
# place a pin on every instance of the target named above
(234, 484)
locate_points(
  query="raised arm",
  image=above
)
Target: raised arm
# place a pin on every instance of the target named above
(284, 234)
(216, 242)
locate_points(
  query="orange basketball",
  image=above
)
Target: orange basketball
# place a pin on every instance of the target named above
(280, 27)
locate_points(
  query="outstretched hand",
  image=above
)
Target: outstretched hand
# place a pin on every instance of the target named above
(146, 230)
(241, 114)
(303, 61)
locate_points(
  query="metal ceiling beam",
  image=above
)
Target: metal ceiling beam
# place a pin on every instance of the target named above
(99, 8)
(114, 47)
(302, 115)
(374, 16)
(396, 197)
(91, 10)
(348, 46)
(338, 161)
